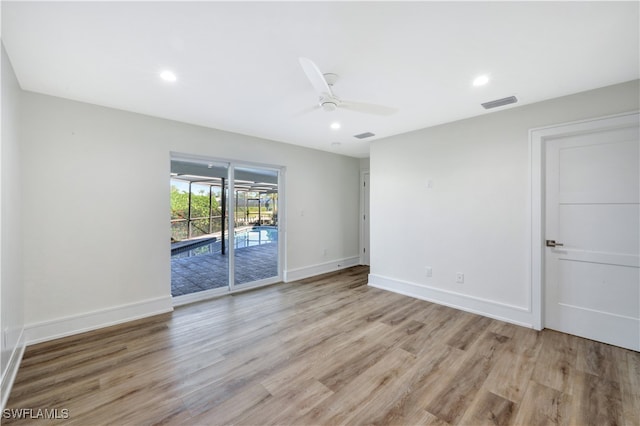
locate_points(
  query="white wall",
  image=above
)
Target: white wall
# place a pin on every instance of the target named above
(11, 285)
(365, 164)
(474, 218)
(96, 209)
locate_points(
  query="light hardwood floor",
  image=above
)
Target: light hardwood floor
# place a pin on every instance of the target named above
(328, 350)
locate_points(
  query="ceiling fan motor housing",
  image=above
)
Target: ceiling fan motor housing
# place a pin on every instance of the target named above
(322, 84)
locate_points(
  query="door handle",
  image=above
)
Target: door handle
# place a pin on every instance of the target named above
(552, 243)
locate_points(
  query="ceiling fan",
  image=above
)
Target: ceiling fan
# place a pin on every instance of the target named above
(328, 102)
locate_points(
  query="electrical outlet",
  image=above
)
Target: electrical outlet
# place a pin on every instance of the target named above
(459, 277)
(428, 271)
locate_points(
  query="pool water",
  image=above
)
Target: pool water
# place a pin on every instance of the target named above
(243, 238)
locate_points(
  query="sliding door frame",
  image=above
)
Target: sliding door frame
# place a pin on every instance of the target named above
(232, 287)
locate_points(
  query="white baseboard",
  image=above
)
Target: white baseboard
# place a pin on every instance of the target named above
(12, 369)
(321, 268)
(488, 308)
(62, 327)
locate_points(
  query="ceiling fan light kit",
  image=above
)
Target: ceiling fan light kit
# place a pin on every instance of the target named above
(329, 105)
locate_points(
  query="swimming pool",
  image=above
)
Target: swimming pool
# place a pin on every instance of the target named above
(244, 238)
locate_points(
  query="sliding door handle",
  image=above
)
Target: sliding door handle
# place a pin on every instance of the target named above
(552, 243)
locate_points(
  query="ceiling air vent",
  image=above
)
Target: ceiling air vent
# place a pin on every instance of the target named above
(500, 102)
(364, 135)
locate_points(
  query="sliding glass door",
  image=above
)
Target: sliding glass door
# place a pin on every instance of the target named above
(199, 238)
(256, 225)
(224, 226)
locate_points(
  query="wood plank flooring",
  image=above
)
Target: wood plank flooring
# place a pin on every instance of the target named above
(326, 350)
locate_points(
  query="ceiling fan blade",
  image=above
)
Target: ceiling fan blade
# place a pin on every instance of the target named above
(368, 108)
(307, 111)
(315, 77)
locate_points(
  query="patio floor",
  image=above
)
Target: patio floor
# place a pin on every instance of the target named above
(208, 271)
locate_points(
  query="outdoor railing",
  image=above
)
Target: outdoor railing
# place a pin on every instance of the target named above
(185, 229)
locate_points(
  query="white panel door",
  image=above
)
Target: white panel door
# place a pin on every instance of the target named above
(592, 276)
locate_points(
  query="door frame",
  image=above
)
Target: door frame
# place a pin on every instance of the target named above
(538, 138)
(364, 192)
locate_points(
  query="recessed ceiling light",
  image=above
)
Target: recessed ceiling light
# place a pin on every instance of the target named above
(335, 125)
(168, 76)
(481, 80)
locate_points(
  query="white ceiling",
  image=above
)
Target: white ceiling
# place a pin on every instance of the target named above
(238, 70)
